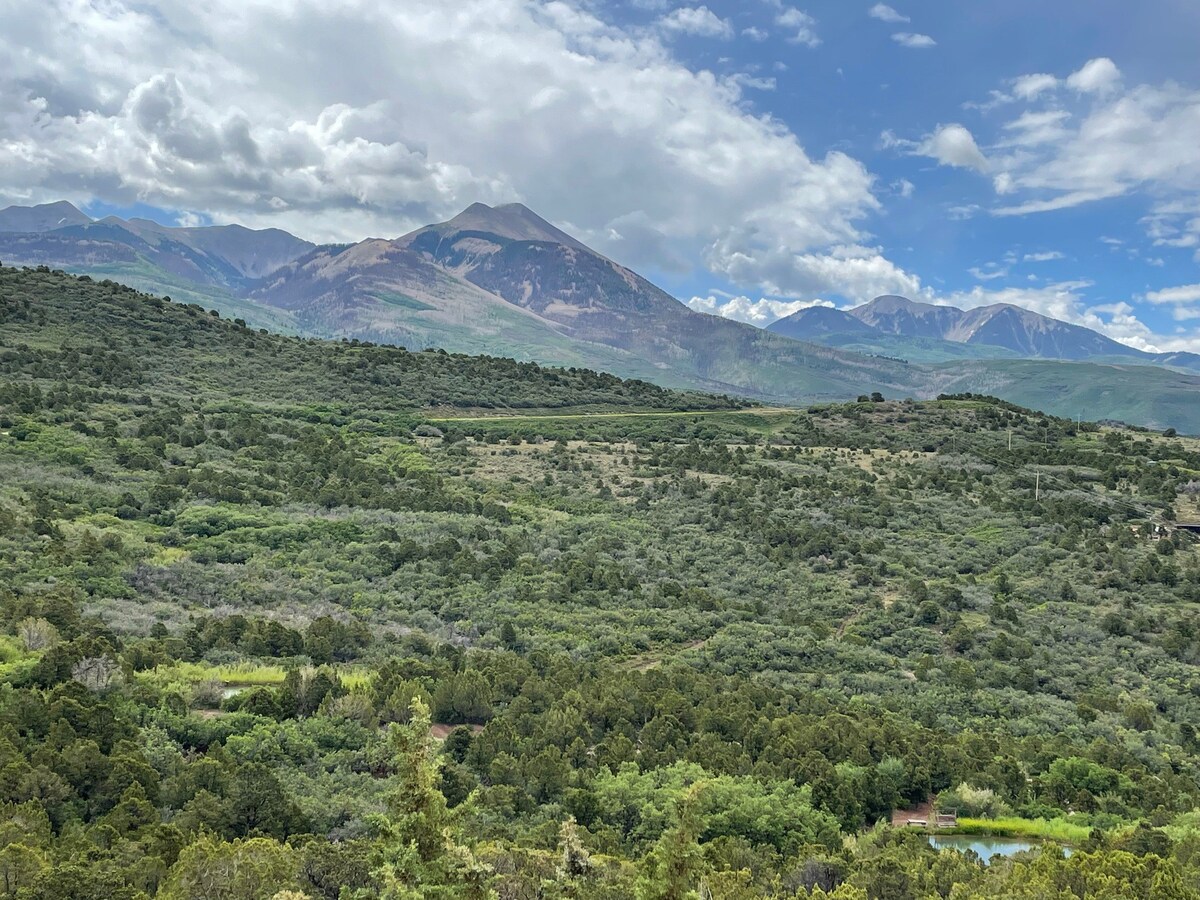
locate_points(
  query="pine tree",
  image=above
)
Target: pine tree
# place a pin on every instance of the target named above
(576, 861)
(670, 871)
(420, 858)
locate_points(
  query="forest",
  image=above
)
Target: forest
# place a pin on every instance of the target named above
(284, 618)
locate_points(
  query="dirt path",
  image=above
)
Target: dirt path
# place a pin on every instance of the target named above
(440, 731)
(922, 812)
(647, 661)
(752, 411)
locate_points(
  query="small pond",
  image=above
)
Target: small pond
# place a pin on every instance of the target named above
(988, 848)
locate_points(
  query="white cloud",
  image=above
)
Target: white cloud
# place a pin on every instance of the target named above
(246, 111)
(1187, 293)
(904, 188)
(913, 41)
(885, 13)
(988, 272)
(1096, 76)
(1114, 143)
(953, 145)
(1176, 224)
(801, 25)
(1027, 87)
(1033, 128)
(853, 272)
(754, 82)
(755, 34)
(760, 312)
(696, 20)
(1045, 256)
(964, 211)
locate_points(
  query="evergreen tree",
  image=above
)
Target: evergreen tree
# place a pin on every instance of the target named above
(672, 868)
(420, 857)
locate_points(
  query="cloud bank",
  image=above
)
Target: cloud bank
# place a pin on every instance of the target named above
(246, 111)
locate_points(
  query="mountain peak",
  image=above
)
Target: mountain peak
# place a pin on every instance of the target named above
(514, 221)
(899, 315)
(43, 217)
(891, 302)
(818, 320)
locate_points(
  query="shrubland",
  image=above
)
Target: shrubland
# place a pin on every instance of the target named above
(349, 621)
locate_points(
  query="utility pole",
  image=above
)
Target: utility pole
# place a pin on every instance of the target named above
(1010, 440)
(1037, 487)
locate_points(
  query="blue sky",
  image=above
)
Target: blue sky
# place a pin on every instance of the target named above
(751, 157)
(870, 90)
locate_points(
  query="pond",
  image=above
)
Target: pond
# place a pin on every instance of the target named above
(987, 847)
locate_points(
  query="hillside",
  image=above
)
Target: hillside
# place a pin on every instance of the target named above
(1125, 392)
(211, 265)
(380, 292)
(262, 597)
(69, 329)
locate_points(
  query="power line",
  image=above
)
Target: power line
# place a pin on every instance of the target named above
(1070, 489)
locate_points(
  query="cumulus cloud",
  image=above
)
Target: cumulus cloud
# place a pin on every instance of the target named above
(853, 272)
(1096, 76)
(953, 145)
(696, 20)
(913, 41)
(1187, 293)
(761, 312)
(801, 25)
(245, 111)
(1044, 256)
(885, 13)
(1027, 87)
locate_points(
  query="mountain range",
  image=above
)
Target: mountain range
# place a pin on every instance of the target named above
(1000, 331)
(502, 281)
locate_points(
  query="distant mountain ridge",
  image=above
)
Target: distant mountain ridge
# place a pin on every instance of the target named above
(504, 276)
(46, 217)
(502, 281)
(212, 265)
(1013, 330)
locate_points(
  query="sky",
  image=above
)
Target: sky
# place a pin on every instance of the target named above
(752, 157)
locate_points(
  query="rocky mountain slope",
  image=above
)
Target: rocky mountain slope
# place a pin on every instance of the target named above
(899, 326)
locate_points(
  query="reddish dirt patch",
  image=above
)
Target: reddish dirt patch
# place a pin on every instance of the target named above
(922, 812)
(441, 732)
